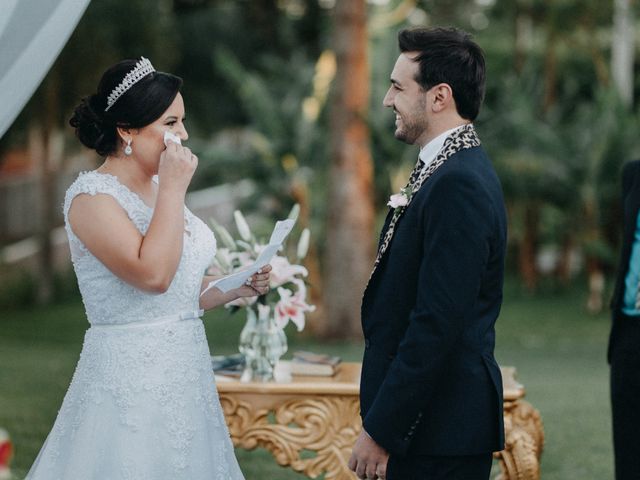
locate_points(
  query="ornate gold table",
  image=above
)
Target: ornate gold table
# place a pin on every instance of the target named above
(311, 423)
(524, 435)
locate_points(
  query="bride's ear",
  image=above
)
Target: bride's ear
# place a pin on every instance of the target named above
(125, 134)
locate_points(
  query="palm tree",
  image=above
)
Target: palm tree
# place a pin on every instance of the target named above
(350, 248)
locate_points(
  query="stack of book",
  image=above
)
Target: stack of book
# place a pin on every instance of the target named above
(228, 365)
(313, 364)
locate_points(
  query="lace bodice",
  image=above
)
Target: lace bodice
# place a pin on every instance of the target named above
(110, 300)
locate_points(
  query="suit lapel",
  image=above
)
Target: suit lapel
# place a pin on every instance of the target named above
(461, 139)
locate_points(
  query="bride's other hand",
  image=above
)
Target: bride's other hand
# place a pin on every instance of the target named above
(258, 284)
(177, 166)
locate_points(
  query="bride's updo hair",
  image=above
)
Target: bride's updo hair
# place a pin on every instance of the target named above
(138, 107)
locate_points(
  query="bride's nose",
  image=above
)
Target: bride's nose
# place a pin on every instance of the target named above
(183, 134)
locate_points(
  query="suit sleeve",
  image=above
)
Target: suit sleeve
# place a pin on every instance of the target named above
(458, 222)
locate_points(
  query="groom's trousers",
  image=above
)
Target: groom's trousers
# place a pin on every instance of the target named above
(624, 356)
(428, 467)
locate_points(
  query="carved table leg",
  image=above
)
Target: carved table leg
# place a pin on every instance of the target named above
(322, 430)
(524, 441)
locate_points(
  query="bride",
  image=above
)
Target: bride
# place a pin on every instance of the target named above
(142, 403)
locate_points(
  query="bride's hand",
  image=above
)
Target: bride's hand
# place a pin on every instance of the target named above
(177, 166)
(258, 283)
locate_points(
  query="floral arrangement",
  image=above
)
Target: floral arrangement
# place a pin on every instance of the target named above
(287, 295)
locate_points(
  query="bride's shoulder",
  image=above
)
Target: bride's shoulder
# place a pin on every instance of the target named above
(91, 182)
(93, 187)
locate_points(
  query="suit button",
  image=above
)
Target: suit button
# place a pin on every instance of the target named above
(367, 343)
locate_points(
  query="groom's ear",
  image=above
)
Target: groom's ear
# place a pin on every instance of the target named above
(442, 97)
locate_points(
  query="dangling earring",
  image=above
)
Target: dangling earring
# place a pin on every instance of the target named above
(128, 150)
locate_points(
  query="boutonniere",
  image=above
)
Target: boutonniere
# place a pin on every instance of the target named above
(400, 200)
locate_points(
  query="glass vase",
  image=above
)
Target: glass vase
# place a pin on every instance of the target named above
(262, 343)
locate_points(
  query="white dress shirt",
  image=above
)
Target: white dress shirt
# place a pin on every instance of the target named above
(430, 151)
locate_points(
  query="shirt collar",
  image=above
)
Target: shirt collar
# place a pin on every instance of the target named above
(429, 152)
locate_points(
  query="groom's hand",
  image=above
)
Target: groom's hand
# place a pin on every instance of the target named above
(368, 459)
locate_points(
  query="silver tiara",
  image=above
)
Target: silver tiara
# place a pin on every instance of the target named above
(141, 70)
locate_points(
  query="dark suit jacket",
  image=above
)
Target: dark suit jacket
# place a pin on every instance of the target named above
(631, 204)
(430, 383)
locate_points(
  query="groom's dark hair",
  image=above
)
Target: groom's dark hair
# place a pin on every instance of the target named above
(448, 55)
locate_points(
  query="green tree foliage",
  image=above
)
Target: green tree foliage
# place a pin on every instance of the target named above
(551, 122)
(263, 35)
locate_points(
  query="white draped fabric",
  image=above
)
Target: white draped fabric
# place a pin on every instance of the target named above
(32, 34)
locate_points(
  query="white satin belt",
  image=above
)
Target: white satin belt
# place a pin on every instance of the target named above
(178, 317)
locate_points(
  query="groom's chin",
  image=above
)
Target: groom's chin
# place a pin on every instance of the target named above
(402, 136)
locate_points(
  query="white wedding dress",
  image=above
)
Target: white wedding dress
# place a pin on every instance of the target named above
(142, 404)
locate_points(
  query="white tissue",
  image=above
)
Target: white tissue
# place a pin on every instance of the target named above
(170, 136)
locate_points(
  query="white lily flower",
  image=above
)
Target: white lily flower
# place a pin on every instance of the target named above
(283, 272)
(292, 307)
(295, 212)
(243, 227)
(223, 235)
(223, 259)
(303, 244)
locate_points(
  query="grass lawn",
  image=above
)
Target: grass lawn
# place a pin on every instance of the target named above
(558, 350)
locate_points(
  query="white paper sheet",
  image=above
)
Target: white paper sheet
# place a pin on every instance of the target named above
(280, 231)
(237, 279)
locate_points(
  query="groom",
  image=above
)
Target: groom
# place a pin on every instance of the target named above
(431, 390)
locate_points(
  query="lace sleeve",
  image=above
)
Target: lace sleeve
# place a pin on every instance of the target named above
(93, 183)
